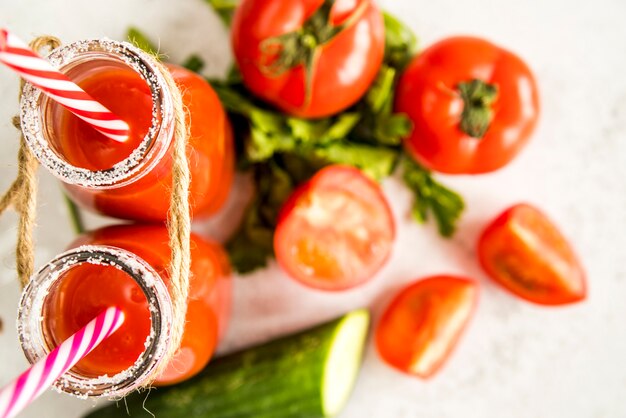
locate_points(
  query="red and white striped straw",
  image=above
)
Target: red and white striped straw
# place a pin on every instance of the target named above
(15, 54)
(41, 375)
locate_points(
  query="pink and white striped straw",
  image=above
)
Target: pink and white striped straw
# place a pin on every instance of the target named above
(16, 55)
(41, 375)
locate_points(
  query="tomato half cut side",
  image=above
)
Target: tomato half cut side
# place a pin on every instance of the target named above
(424, 322)
(524, 251)
(335, 231)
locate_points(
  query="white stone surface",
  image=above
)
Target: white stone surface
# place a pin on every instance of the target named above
(516, 360)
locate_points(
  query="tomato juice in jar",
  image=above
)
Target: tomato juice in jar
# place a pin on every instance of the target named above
(126, 267)
(131, 180)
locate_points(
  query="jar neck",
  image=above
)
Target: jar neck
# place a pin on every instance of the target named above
(32, 319)
(80, 60)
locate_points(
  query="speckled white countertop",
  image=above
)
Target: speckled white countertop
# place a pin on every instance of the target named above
(517, 360)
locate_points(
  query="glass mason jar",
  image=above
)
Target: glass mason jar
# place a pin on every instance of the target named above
(130, 180)
(125, 266)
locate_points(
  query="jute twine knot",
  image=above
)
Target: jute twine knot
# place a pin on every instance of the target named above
(22, 196)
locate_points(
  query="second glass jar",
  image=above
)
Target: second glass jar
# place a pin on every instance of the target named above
(71, 292)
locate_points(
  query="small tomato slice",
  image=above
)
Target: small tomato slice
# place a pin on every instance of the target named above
(525, 252)
(473, 106)
(335, 231)
(423, 323)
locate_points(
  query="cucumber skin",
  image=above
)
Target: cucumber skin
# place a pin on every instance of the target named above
(279, 379)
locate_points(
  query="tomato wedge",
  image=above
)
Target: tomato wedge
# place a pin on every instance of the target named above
(335, 231)
(525, 252)
(424, 322)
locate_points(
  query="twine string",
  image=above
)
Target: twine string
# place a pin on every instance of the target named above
(178, 222)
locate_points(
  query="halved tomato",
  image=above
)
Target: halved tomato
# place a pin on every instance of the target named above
(335, 231)
(523, 251)
(421, 326)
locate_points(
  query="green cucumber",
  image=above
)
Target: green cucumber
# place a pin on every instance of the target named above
(305, 375)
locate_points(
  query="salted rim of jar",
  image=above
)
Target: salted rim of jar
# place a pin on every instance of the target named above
(143, 158)
(30, 326)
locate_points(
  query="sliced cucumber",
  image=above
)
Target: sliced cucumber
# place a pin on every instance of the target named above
(306, 375)
(343, 361)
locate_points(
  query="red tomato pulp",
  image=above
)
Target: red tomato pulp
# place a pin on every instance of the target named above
(424, 322)
(336, 231)
(87, 289)
(527, 254)
(125, 93)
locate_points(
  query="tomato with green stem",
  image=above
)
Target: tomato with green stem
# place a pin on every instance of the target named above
(335, 231)
(473, 106)
(524, 251)
(310, 58)
(424, 322)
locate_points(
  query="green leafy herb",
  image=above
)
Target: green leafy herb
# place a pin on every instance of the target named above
(376, 163)
(76, 216)
(224, 9)
(326, 140)
(136, 37)
(253, 244)
(381, 91)
(139, 39)
(400, 43)
(432, 197)
(234, 76)
(379, 125)
(194, 63)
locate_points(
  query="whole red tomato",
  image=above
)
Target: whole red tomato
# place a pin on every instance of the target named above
(310, 58)
(335, 231)
(423, 323)
(524, 252)
(473, 104)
